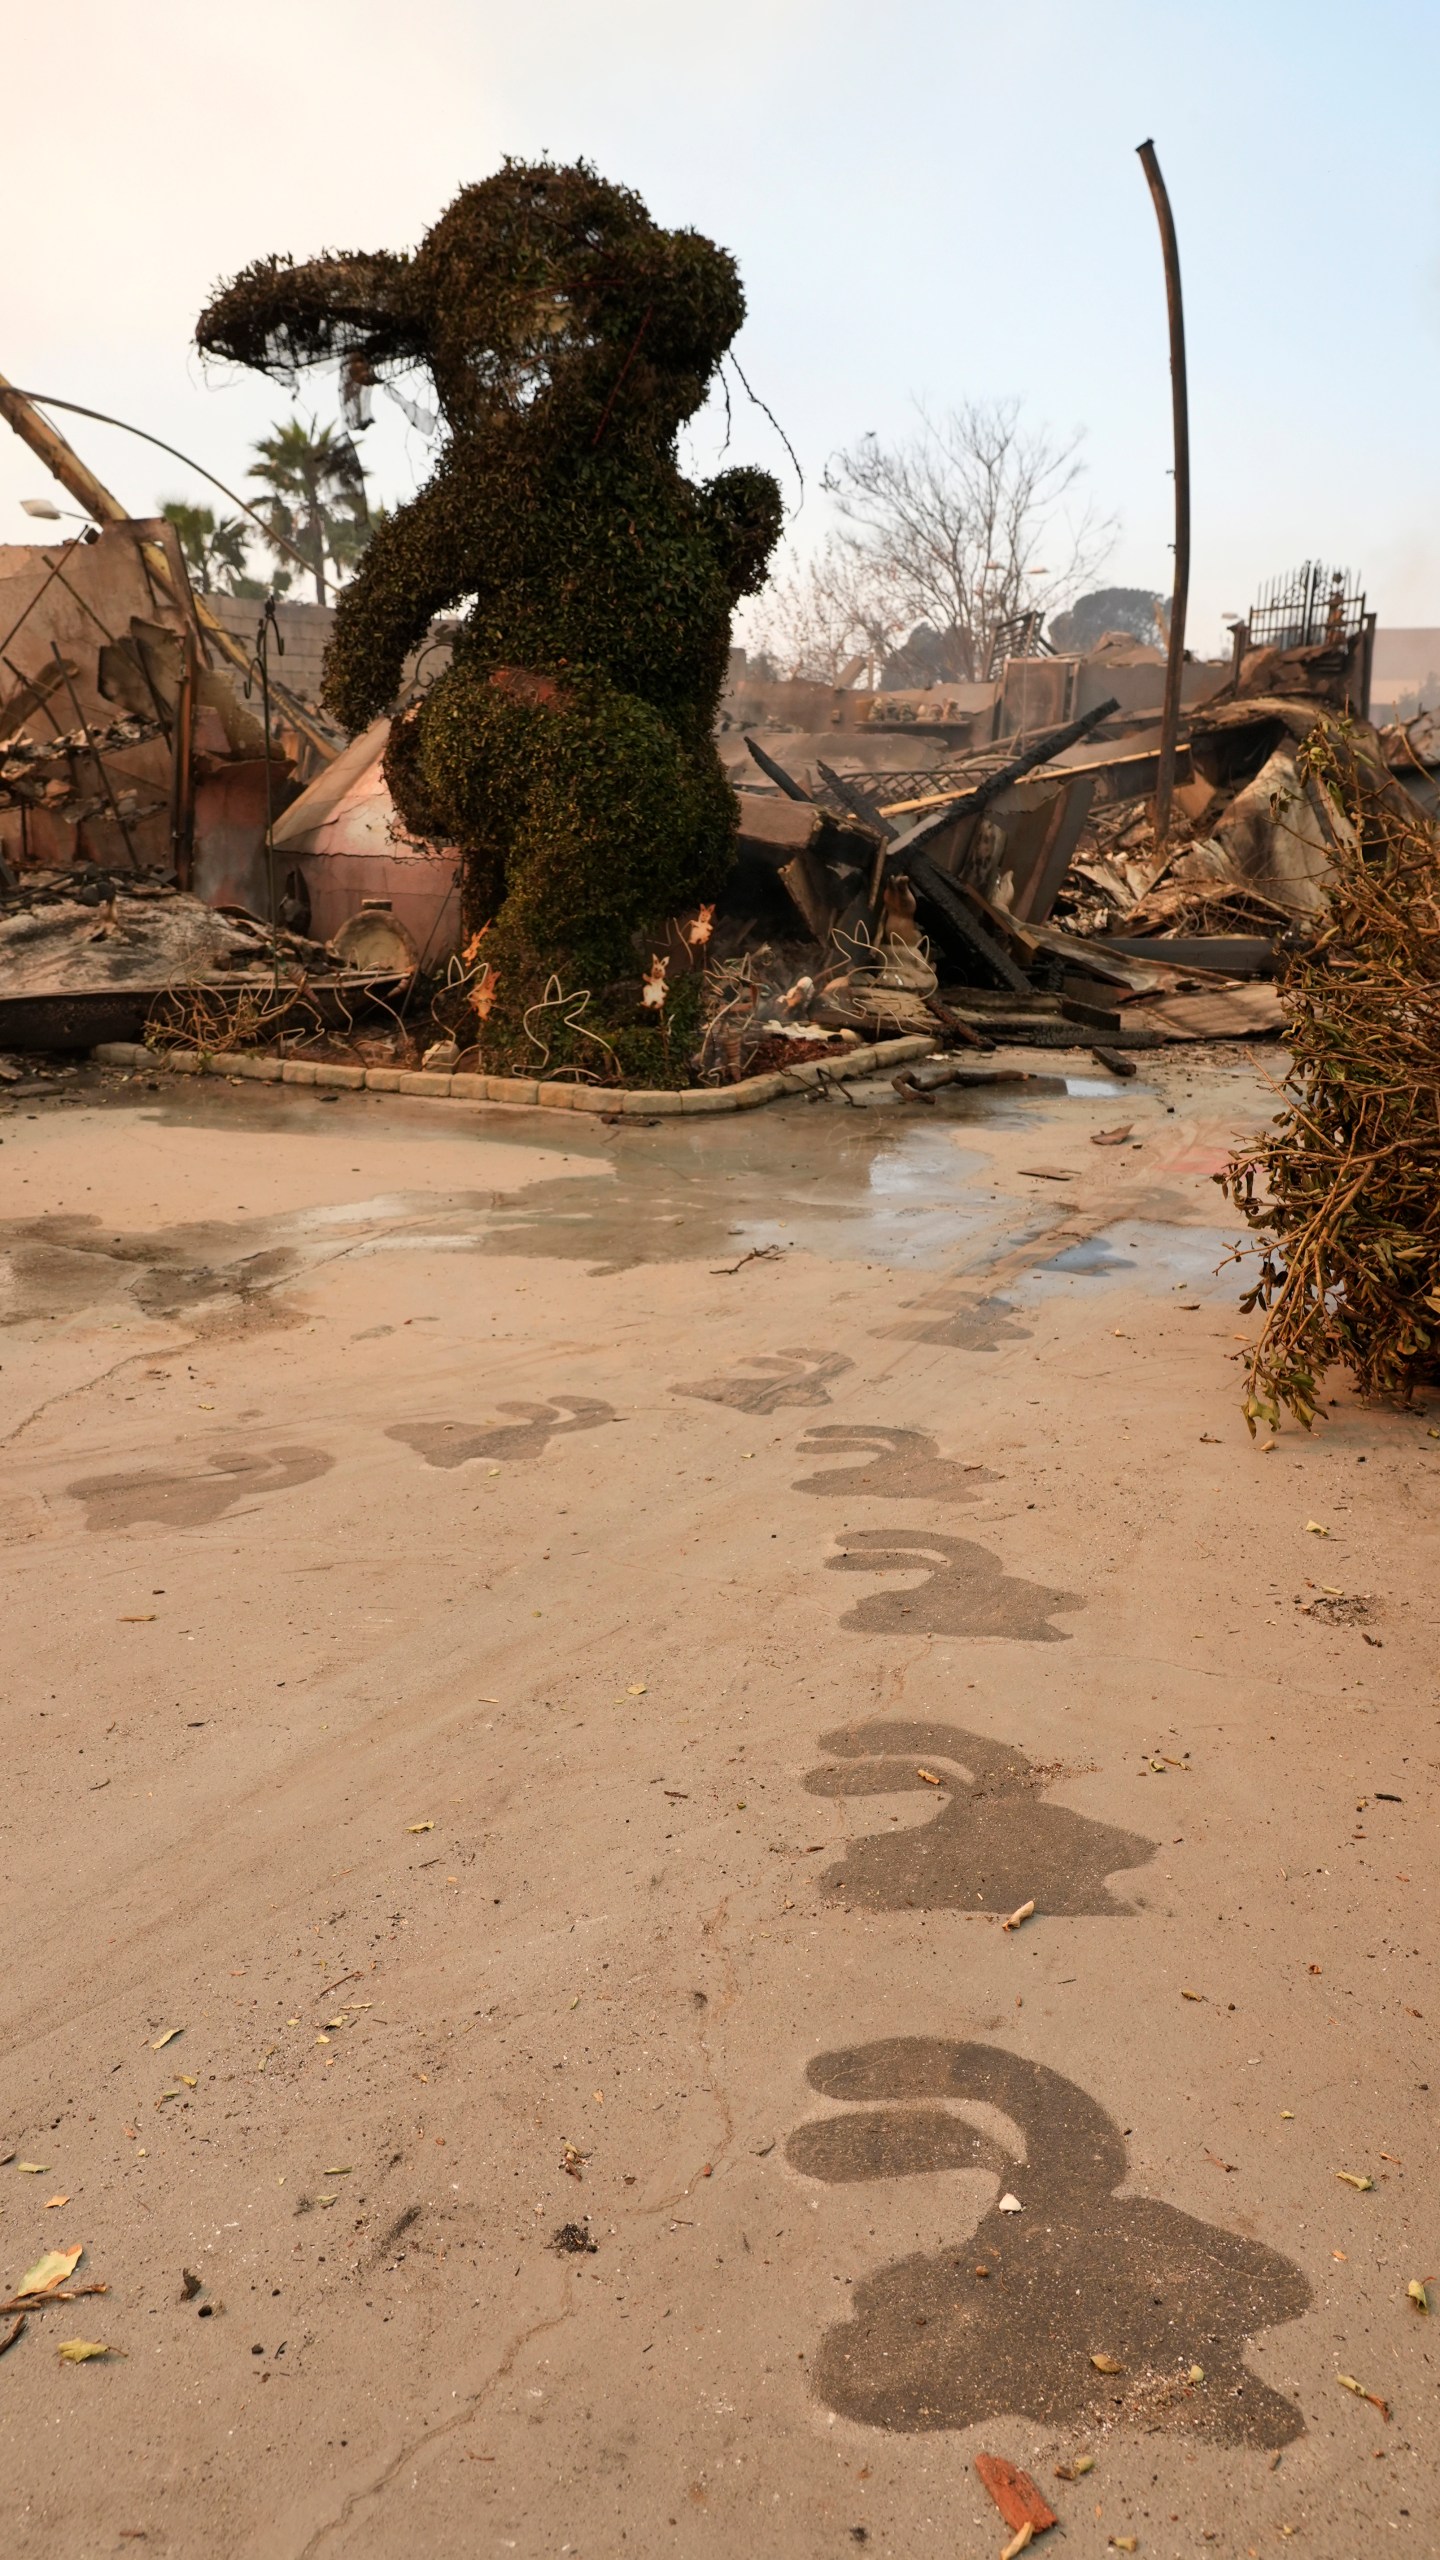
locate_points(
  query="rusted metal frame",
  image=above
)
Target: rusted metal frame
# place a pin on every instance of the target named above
(182, 766)
(1180, 408)
(100, 765)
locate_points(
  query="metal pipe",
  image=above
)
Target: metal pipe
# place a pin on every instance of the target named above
(1180, 403)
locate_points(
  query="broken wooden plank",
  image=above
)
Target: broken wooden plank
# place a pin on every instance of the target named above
(770, 766)
(958, 928)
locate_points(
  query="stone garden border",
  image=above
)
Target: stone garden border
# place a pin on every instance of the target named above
(872, 1060)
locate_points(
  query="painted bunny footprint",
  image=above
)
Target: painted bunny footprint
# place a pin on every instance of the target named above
(1009, 2318)
(453, 1444)
(993, 1842)
(897, 1464)
(793, 1377)
(965, 1592)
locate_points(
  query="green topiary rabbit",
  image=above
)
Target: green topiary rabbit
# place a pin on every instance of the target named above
(567, 749)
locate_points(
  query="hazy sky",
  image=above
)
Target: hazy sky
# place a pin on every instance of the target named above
(926, 201)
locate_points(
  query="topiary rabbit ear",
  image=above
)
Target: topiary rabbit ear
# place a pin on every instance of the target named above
(357, 305)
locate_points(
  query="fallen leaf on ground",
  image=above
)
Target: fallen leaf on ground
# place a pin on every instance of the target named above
(1348, 2382)
(1196, 2373)
(1111, 1137)
(12, 2333)
(51, 2270)
(52, 2201)
(1314, 1529)
(929, 1777)
(1044, 1173)
(1015, 2494)
(168, 2038)
(1418, 2294)
(419, 1826)
(1025, 1912)
(1122, 2542)
(81, 2350)
(1217, 2163)
(1019, 2542)
(1010, 2204)
(1362, 2186)
(31, 2168)
(189, 2285)
(1107, 2364)
(1076, 2468)
(189, 2083)
(637, 1687)
(1192, 1995)
(148, 1620)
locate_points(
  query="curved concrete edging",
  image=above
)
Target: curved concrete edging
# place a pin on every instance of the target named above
(872, 1060)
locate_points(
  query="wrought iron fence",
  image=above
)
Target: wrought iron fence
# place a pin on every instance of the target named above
(1305, 606)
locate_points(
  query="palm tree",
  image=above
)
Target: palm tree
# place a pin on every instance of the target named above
(315, 495)
(213, 548)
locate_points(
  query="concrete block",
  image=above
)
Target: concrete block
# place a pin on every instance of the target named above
(757, 1089)
(422, 1083)
(653, 1106)
(347, 1079)
(555, 1097)
(470, 1088)
(709, 1098)
(299, 1071)
(512, 1089)
(382, 1080)
(180, 1062)
(595, 1098)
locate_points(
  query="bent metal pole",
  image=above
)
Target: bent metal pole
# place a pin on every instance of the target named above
(1175, 659)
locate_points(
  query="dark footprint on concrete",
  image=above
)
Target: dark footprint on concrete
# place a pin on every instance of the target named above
(791, 1377)
(966, 1591)
(982, 1325)
(896, 1464)
(993, 1844)
(452, 1444)
(190, 1499)
(1078, 2272)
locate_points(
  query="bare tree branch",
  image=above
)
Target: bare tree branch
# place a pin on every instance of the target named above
(971, 520)
(818, 616)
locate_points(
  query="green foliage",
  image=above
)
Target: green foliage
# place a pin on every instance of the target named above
(316, 496)
(567, 751)
(213, 548)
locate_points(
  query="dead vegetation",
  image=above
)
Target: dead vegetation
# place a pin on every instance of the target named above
(1343, 1191)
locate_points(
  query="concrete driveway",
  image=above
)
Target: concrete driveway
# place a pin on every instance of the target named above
(540, 1660)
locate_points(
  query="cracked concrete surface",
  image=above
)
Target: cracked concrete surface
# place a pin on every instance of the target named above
(432, 1688)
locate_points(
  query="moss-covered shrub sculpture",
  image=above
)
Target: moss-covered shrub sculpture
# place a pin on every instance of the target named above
(567, 749)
